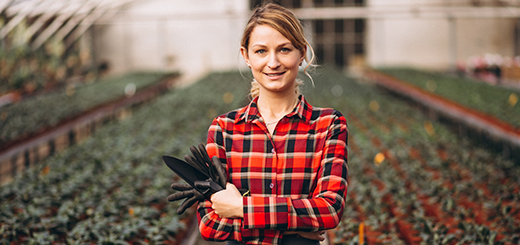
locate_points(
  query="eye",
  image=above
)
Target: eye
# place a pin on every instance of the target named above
(285, 50)
(260, 51)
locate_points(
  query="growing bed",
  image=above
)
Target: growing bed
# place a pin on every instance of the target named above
(495, 100)
(37, 113)
(112, 187)
(410, 180)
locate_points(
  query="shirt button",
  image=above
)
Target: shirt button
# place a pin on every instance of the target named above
(271, 185)
(273, 151)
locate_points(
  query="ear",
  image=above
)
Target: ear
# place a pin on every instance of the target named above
(245, 55)
(303, 54)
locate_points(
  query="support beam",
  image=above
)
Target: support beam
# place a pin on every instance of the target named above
(87, 10)
(407, 12)
(56, 24)
(5, 4)
(88, 21)
(19, 17)
(50, 12)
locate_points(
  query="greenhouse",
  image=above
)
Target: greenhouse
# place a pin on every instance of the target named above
(93, 93)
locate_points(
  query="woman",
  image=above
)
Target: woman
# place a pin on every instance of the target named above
(290, 155)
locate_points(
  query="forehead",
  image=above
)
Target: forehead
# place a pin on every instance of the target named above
(266, 35)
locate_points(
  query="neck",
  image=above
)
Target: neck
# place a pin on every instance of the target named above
(274, 107)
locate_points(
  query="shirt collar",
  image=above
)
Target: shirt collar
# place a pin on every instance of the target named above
(249, 113)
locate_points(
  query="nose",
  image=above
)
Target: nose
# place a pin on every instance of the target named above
(273, 62)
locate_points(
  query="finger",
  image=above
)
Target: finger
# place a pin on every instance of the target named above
(193, 162)
(204, 153)
(220, 171)
(200, 158)
(185, 205)
(197, 154)
(198, 195)
(179, 195)
(212, 169)
(181, 187)
(203, 185)
(213, 173)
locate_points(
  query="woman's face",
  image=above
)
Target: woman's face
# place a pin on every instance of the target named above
(273, 59)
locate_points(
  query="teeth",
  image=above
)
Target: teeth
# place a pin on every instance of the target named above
(276, 74)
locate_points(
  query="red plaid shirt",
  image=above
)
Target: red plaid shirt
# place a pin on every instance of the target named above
(297, 176)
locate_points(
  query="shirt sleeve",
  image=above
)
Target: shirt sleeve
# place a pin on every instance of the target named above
(323, 208)
(211, 226)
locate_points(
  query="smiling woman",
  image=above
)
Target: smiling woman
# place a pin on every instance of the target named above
(286, 25)
(292, 157)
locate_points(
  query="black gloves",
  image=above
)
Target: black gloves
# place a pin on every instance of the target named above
(212, 168)
(185, 191)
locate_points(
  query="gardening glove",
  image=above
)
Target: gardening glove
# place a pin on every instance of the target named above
(211, 167)
(191, 194)
(199, 160)
(215, 168)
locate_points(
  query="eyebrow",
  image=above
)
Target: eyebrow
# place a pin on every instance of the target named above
(263, 45)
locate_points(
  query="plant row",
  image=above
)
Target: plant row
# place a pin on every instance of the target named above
(412, 181)
(112, 188)
(47, 110)
(493, 100)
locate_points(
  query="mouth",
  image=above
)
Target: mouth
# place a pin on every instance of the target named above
(274, 74)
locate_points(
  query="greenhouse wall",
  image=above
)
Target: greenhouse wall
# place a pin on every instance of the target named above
(192, 37)
(420, 34)
(427, 43)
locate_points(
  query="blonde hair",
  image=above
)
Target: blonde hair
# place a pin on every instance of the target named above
(285, 22)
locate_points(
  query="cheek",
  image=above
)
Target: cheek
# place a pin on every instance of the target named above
(254, 61)
(292, 62)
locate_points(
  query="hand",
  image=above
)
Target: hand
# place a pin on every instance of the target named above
(312, 235)
(228, 202)
(186, 191)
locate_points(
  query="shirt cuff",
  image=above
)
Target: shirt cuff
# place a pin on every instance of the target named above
(266, 213)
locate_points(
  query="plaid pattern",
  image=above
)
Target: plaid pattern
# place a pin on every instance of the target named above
(297, 177)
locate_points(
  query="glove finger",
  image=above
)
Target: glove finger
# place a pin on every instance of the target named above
(195, 152)
(198, 196)
(193, 162)
(202, 185)
(185, 205)
(179, 195)
(221, 171)
(198, 156)
(181, 187)
(204, 153)
(212, 169)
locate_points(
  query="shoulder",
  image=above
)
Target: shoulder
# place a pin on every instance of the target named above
(319, 114)
(230, 117)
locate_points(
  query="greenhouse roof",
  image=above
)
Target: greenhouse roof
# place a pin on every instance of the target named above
(46, 18)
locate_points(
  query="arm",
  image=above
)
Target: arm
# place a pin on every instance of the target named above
(212, 227)
(324, 207)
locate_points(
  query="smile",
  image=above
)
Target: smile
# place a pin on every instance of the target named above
(274, 74)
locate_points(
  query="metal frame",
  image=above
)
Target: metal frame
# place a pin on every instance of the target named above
(68, 18)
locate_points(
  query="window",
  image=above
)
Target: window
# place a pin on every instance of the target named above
(337, 40)
(359, 25)
(338, 26)
(318, 26)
